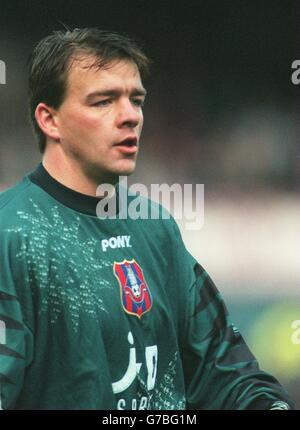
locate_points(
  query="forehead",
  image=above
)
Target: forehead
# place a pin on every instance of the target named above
(86, 72)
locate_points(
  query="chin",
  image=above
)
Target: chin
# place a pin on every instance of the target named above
(113, 177)
(126, 170)
(111, 174)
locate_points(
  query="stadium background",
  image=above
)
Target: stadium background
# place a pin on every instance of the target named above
(221, 111)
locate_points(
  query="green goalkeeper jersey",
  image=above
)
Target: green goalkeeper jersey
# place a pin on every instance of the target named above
(112, 313)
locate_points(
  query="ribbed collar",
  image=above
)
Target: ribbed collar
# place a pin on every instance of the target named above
(68, 197)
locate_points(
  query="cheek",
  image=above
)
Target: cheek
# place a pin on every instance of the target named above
(141, 123)
(80, 122)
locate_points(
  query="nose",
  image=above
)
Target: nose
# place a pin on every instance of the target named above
(129, 115)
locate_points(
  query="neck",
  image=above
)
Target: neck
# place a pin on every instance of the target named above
(69, 172)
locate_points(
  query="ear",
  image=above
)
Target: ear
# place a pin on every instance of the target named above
(46, 119)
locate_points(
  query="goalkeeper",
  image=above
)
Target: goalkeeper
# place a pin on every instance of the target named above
(106, 313)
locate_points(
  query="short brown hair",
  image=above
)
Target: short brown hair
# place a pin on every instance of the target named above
(50, 59)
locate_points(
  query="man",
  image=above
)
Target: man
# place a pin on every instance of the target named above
(106, 313)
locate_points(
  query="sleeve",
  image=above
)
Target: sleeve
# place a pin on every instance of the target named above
(220, 371)
(16, 337)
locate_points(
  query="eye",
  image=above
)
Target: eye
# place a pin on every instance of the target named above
(102, 103)
(138, 102)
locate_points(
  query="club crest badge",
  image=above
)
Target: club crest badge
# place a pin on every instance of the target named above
(135, 294)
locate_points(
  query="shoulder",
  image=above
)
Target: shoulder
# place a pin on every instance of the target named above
(16, 201)
(11, 198)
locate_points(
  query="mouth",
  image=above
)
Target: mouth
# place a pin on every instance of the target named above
(128, 142)
(128, 146)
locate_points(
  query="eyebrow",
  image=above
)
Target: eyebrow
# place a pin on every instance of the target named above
(115, 92)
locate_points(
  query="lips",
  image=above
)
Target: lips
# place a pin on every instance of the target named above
(128, 146)
(128, 142)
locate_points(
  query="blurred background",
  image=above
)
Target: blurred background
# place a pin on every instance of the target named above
(221, 111)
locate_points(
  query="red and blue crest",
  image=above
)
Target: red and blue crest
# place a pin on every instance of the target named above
(135, 293)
